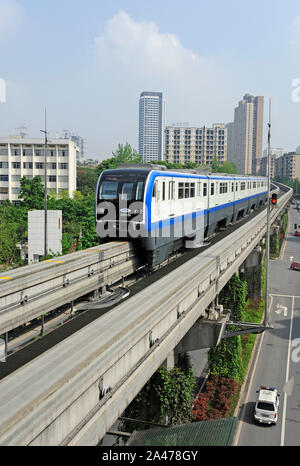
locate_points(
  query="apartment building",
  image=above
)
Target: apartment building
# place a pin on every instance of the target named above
(245, 134)
(196, 144)
(26, 157)
(287, 167)
(261, 166)
(277, 151)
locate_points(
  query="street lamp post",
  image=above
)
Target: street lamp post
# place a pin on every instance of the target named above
(45, 186)
(268, 222)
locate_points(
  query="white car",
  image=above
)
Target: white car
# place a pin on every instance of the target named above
(267, 405)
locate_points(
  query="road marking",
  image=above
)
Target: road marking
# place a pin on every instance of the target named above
(239, 426)
(287, 377)
(92, 250)
(284, 296)
(50, 260)
(5, 278)
(279, 309)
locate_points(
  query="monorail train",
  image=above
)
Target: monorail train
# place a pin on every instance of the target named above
(163, 210)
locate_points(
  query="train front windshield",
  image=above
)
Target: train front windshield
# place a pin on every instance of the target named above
(114, 189)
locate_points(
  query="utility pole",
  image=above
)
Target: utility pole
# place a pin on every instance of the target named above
(45, 185)
(268, 221)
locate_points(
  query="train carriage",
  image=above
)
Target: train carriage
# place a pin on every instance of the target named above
(163, 210)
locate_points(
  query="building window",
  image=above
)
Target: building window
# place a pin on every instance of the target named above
(52, 178)
(3, 177)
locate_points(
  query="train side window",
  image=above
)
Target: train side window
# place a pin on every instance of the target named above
(232, 187)
(186, 190)
(164, 191)
(212, 189)
(154, 192)
(192, 192)
(236, 186)
(180, 190)
(204, 189)
(198, 189)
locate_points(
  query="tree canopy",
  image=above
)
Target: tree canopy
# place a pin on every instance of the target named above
(124, 154)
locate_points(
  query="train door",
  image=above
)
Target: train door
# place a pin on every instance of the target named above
(171, 197)
(155, 201)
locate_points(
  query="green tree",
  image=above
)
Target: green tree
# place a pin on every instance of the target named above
(226, 167)
(166, 396)
(8, 239)
(226, 358)
(86, 179)
(32, 193)
(124, 154)
(78, 196)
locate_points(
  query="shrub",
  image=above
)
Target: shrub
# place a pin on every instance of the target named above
(215, 401)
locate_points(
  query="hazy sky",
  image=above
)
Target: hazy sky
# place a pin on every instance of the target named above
(88, 61)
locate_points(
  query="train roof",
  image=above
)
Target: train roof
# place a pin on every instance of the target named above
(145, 168)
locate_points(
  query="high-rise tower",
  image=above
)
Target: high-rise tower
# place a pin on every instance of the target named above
(151, 126)
(245, 134)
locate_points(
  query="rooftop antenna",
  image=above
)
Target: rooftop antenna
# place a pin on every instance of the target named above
(22, 131)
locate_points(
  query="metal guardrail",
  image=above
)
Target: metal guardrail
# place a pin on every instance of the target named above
(74, 392)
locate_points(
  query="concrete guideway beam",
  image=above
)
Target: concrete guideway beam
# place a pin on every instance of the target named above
(49, 288)
(55, 398)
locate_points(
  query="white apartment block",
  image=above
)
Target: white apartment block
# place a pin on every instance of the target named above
(192, 144)
(21, 157)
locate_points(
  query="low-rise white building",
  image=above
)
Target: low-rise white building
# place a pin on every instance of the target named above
(26, 157)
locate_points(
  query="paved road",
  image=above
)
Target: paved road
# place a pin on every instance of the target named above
(278, 363)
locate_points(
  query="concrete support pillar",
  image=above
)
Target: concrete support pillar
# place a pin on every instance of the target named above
(251, 271)
(172, 359)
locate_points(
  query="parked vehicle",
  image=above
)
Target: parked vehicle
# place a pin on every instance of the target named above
(295, 266)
